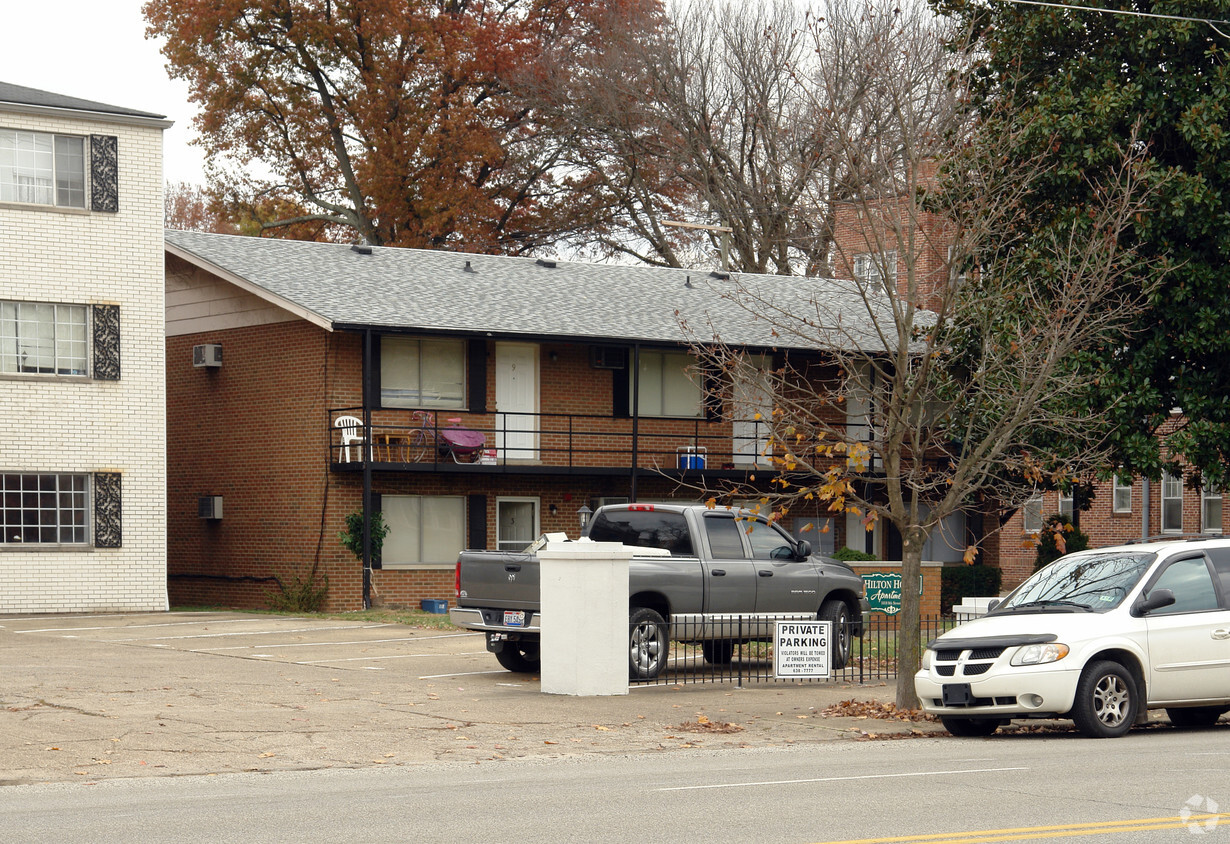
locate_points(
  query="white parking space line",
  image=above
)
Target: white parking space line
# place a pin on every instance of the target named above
(375, 658)
(135, 626)
(459, 674)
(249, 633)
(838, 779)
(322, 643)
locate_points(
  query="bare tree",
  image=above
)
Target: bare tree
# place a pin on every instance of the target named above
(959, 386)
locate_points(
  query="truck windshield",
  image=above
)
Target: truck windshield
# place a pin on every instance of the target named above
(645, 529)
(1080, 583)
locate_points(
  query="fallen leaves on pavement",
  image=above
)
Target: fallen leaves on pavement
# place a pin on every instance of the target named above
(703, 724)
(875, 709)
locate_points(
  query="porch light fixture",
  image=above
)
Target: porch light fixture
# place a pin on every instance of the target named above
(583, 514)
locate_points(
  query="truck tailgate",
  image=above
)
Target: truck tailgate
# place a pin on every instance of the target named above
(499, 580)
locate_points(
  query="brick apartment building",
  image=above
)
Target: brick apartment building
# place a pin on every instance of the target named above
(82, 422)
(1122, 510)
(489, 399)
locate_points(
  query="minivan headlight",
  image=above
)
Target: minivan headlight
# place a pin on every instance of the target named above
(1040, 654)
(926, 660)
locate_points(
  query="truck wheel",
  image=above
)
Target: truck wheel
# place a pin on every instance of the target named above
(718, 651)
(1106, 702)
(648, 644)
(521, 657)
(838, 614)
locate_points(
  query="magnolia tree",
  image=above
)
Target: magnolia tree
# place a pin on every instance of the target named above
(959, 384)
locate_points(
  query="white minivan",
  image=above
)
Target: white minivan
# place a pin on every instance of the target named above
(1097, 636)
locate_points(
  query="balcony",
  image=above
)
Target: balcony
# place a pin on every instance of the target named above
(543, 443)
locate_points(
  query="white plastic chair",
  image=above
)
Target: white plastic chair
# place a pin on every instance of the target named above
(351, 428)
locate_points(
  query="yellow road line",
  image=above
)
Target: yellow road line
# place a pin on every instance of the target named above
(1025, 833)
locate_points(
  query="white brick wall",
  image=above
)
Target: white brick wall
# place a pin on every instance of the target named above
(47, 425)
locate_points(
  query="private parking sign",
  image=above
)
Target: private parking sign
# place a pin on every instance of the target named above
(801, 649)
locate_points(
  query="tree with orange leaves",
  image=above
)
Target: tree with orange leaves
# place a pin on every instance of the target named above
(400, 121)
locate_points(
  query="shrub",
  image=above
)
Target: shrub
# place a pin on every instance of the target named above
(957, 582)
(849, 555)
(352, 536)
(302, 594)
(1058, 537)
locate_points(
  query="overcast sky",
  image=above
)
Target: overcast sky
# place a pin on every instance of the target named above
(97, 50)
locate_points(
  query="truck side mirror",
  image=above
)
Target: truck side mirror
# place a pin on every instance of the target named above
(803, 549)
(1155, 600)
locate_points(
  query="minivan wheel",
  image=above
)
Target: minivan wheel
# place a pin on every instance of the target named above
(648, 644)
(1195, 716)
(1106, 700)
(970, 727)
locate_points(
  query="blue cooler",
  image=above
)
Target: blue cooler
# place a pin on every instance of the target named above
(692, 457)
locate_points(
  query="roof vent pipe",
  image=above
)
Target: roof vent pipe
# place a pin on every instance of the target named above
(361, 248)
(543, 262)
(468, 269)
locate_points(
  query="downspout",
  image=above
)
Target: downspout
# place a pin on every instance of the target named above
(636, 417)
(367, 469)
(1145, 495)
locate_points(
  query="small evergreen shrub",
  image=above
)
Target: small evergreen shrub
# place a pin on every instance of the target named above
(1058, 537)
(849, 555)
(301, 594)
(958, 582)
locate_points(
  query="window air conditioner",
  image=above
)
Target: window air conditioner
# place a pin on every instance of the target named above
(208, 355)
(209, 507)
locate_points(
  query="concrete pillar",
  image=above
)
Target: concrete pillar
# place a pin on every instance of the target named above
(584, 621)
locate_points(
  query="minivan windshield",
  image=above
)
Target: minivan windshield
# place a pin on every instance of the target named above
(1080, 583)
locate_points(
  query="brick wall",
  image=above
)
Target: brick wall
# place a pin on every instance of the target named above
(49, 424)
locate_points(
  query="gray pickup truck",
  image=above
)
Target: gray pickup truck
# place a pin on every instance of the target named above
(723, 564)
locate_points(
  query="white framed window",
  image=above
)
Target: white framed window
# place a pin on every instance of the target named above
(1172, 503)
(423, 528)
(1210, 508)
(872, 269)
(666, 387)
(1031, 515)
(516, 523)
(44, 509)
(1066, 505)
(42, 169)
(1121, 494)
(421, 372)
(43, 338)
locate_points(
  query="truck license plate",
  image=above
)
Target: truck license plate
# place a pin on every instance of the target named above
(514, 618)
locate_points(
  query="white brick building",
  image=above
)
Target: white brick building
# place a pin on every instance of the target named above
(82, 398)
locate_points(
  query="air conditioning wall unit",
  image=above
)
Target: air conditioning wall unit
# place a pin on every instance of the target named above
(608, 357)
(207, 356)
(209, 507)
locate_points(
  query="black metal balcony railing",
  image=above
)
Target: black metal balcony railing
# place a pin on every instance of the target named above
(427, 441)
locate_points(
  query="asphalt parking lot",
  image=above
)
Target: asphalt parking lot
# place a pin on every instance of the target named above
(100, 696)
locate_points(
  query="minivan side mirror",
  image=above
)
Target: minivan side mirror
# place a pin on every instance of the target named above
(803, 549)
(991, 605)
(1155, 600)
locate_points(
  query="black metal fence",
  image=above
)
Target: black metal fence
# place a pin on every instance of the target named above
(738, 649)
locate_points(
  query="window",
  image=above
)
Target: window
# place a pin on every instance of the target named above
(43, 509)
(516, 523)
(422, 373)
(1031, 515)
(644, 529)
(957, 274)
(1192, 586)
(423, 528)
(1065, 504)
(871, 270)
(39, 337)
(1172, 503)
(768, 543)
(724, 540)
(666, 389)
(42, 169)
(1121, 494)
(1210, 508)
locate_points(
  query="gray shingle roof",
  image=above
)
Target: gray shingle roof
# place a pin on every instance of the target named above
(20, 95)
(432, 291)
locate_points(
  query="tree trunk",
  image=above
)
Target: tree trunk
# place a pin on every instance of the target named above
(908, 650)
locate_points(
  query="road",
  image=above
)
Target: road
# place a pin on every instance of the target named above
(1149, 786)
